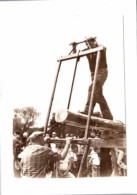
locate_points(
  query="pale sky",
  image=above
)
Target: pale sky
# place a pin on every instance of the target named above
(33, 35)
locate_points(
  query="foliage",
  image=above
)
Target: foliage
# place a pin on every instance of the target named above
(24, 118)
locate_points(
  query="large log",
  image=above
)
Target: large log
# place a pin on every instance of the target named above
(67, 116)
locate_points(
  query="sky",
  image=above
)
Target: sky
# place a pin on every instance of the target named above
(33, 35)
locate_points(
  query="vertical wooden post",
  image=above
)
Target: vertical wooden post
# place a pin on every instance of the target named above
(92, 94)
(89, 113)
(73, 81)
(52, 97)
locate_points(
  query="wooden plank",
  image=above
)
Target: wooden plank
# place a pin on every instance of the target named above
(79, 54)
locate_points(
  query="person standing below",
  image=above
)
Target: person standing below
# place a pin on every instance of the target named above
(121, 161)
(93, 163)
(17, 149)
(53, 145)
(64, 167)
(37, 159)
(100, 79)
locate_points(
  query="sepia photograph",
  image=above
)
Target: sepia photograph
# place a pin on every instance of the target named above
(67, 97)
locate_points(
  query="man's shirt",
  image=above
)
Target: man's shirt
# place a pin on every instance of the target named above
(34, 160)
(63, 164)
(92, 61)
(94, 157)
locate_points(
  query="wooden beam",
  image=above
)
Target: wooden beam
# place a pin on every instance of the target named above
(104, 143)
(52, 97)
(82, 127)
(67, 116)
(79, 54)
(74, 141)
(105, 133)
(110, 143)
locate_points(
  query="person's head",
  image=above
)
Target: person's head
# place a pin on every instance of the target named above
(93, 134)
(25, 134)
(91, 148)
(47, 135)
(37, 137)
(54, 134)
(67, 135)
(71, 135)
(17, 133)
(74, 148)
(97, 149)
(91, 42)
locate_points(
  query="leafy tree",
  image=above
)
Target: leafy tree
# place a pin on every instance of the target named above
(17, 124)
(24, 118)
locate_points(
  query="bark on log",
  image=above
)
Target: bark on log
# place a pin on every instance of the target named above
(67, 116)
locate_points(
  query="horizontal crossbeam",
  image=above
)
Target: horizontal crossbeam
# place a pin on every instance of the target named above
(104, 143)
(80, 54)
(82, 127)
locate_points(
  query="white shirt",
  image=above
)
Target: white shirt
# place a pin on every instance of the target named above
(63, 164)
(95, 158)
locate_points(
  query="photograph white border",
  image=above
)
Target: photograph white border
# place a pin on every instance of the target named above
(115, 185)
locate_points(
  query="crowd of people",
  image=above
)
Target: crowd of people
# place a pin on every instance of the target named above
(36, 157)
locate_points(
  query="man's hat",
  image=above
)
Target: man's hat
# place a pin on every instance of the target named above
(90, 38)
(36, 134)
(54, 133)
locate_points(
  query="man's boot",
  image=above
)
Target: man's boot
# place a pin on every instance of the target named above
(85, 111)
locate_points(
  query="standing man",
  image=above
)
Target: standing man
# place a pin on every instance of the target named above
(64, 167)
(37, 159)
(94, 163)
(101, 78)
(105, 164)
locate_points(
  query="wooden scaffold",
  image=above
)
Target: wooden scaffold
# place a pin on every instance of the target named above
(115, 130)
